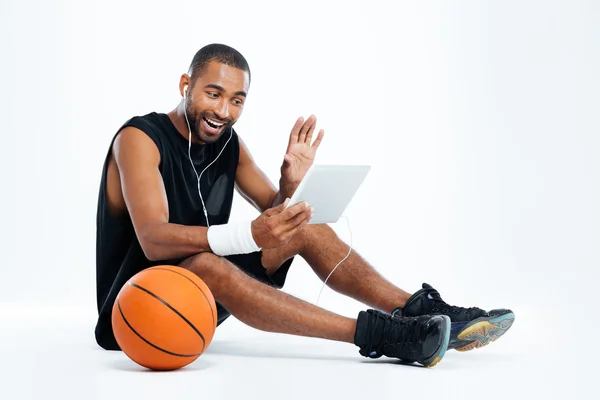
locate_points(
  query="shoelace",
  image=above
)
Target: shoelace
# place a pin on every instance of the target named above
(403, 334)
(442, 305)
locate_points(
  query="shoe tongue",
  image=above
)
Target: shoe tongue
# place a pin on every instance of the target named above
(422, 301)
(432, 294)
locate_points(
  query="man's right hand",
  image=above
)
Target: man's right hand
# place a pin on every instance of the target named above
(276, 226)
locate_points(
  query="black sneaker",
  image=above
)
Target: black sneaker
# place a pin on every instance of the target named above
(471, 327)
(423, 339)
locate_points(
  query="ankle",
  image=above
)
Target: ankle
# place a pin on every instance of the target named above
(350, 332)
(402, 300)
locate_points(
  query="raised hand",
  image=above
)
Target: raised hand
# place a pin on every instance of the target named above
(300, 153)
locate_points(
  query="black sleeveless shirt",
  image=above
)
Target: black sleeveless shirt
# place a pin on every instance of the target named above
(119, 255)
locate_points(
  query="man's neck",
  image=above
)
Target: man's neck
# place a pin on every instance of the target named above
(178, 119)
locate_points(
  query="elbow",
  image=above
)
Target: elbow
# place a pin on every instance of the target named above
(149, 246)
(151, 254)
(150, 251)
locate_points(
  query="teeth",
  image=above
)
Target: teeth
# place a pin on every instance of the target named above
(217, 124)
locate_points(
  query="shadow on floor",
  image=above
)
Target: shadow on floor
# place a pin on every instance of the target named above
(267, 351)
(131, 366)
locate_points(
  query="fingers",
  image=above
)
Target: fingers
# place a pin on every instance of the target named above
(284, 225)
(276, 210)
(317, 142)
(296, 131)
(297, 217)
(309, 134)
(282, 220)
(302, 132)
(293, 211)
(294, 229)
(308, 125)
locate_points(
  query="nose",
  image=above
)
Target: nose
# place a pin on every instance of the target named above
(222, 110)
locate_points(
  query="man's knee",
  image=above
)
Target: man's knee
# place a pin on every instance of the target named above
(200, 259)
(313, 234)
(207, 266)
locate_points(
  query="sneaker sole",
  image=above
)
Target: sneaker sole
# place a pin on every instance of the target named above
(437, 357)
(482, 331)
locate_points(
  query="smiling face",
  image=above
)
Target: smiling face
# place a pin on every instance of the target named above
(216, 100)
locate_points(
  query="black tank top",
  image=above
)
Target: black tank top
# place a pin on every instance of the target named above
(119, 255)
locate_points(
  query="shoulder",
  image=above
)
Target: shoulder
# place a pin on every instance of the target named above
(142, 132)
(150, 124)
(133, 142)
(140, 138)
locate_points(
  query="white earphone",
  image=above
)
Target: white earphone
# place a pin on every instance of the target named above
(190, 155)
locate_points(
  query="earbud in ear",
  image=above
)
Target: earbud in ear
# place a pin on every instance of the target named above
(185, 91)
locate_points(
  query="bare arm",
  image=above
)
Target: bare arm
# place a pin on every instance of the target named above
(143, 189)
(252, 183)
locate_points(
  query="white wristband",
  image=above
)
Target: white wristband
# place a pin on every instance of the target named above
(232, 238)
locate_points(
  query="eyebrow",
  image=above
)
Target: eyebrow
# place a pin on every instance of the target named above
(221, 89)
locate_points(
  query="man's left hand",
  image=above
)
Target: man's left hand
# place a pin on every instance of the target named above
(300, 153)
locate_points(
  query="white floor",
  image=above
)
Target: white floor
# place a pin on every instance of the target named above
(53, 356)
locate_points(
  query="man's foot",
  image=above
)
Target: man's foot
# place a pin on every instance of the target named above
(471, 327)
(423, 339)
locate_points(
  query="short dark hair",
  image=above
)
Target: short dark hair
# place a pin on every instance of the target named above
(216, 52)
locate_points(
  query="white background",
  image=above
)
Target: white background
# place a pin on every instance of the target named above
(480, 121)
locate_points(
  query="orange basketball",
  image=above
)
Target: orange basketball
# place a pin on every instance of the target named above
(164, 317)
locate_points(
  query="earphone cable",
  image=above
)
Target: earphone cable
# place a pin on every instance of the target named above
(191, 162)
(338, 264)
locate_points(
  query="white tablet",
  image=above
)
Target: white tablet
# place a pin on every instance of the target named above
(329, 189)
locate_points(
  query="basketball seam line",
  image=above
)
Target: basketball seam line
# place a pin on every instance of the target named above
(174, 310)
(147, 341)
(194, 283)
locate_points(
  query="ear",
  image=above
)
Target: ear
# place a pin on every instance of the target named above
(184, 85)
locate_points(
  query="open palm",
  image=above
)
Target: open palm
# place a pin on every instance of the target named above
(300, 153)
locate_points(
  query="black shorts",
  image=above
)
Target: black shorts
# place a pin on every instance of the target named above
(251, 264)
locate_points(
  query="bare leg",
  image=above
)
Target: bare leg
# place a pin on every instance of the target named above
(323, 250)
(264, 307)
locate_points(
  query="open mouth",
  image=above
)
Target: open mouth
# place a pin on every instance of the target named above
(211, 123)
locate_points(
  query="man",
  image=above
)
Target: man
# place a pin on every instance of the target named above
(165, 198)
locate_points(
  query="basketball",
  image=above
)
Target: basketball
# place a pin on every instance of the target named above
(164, 317)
